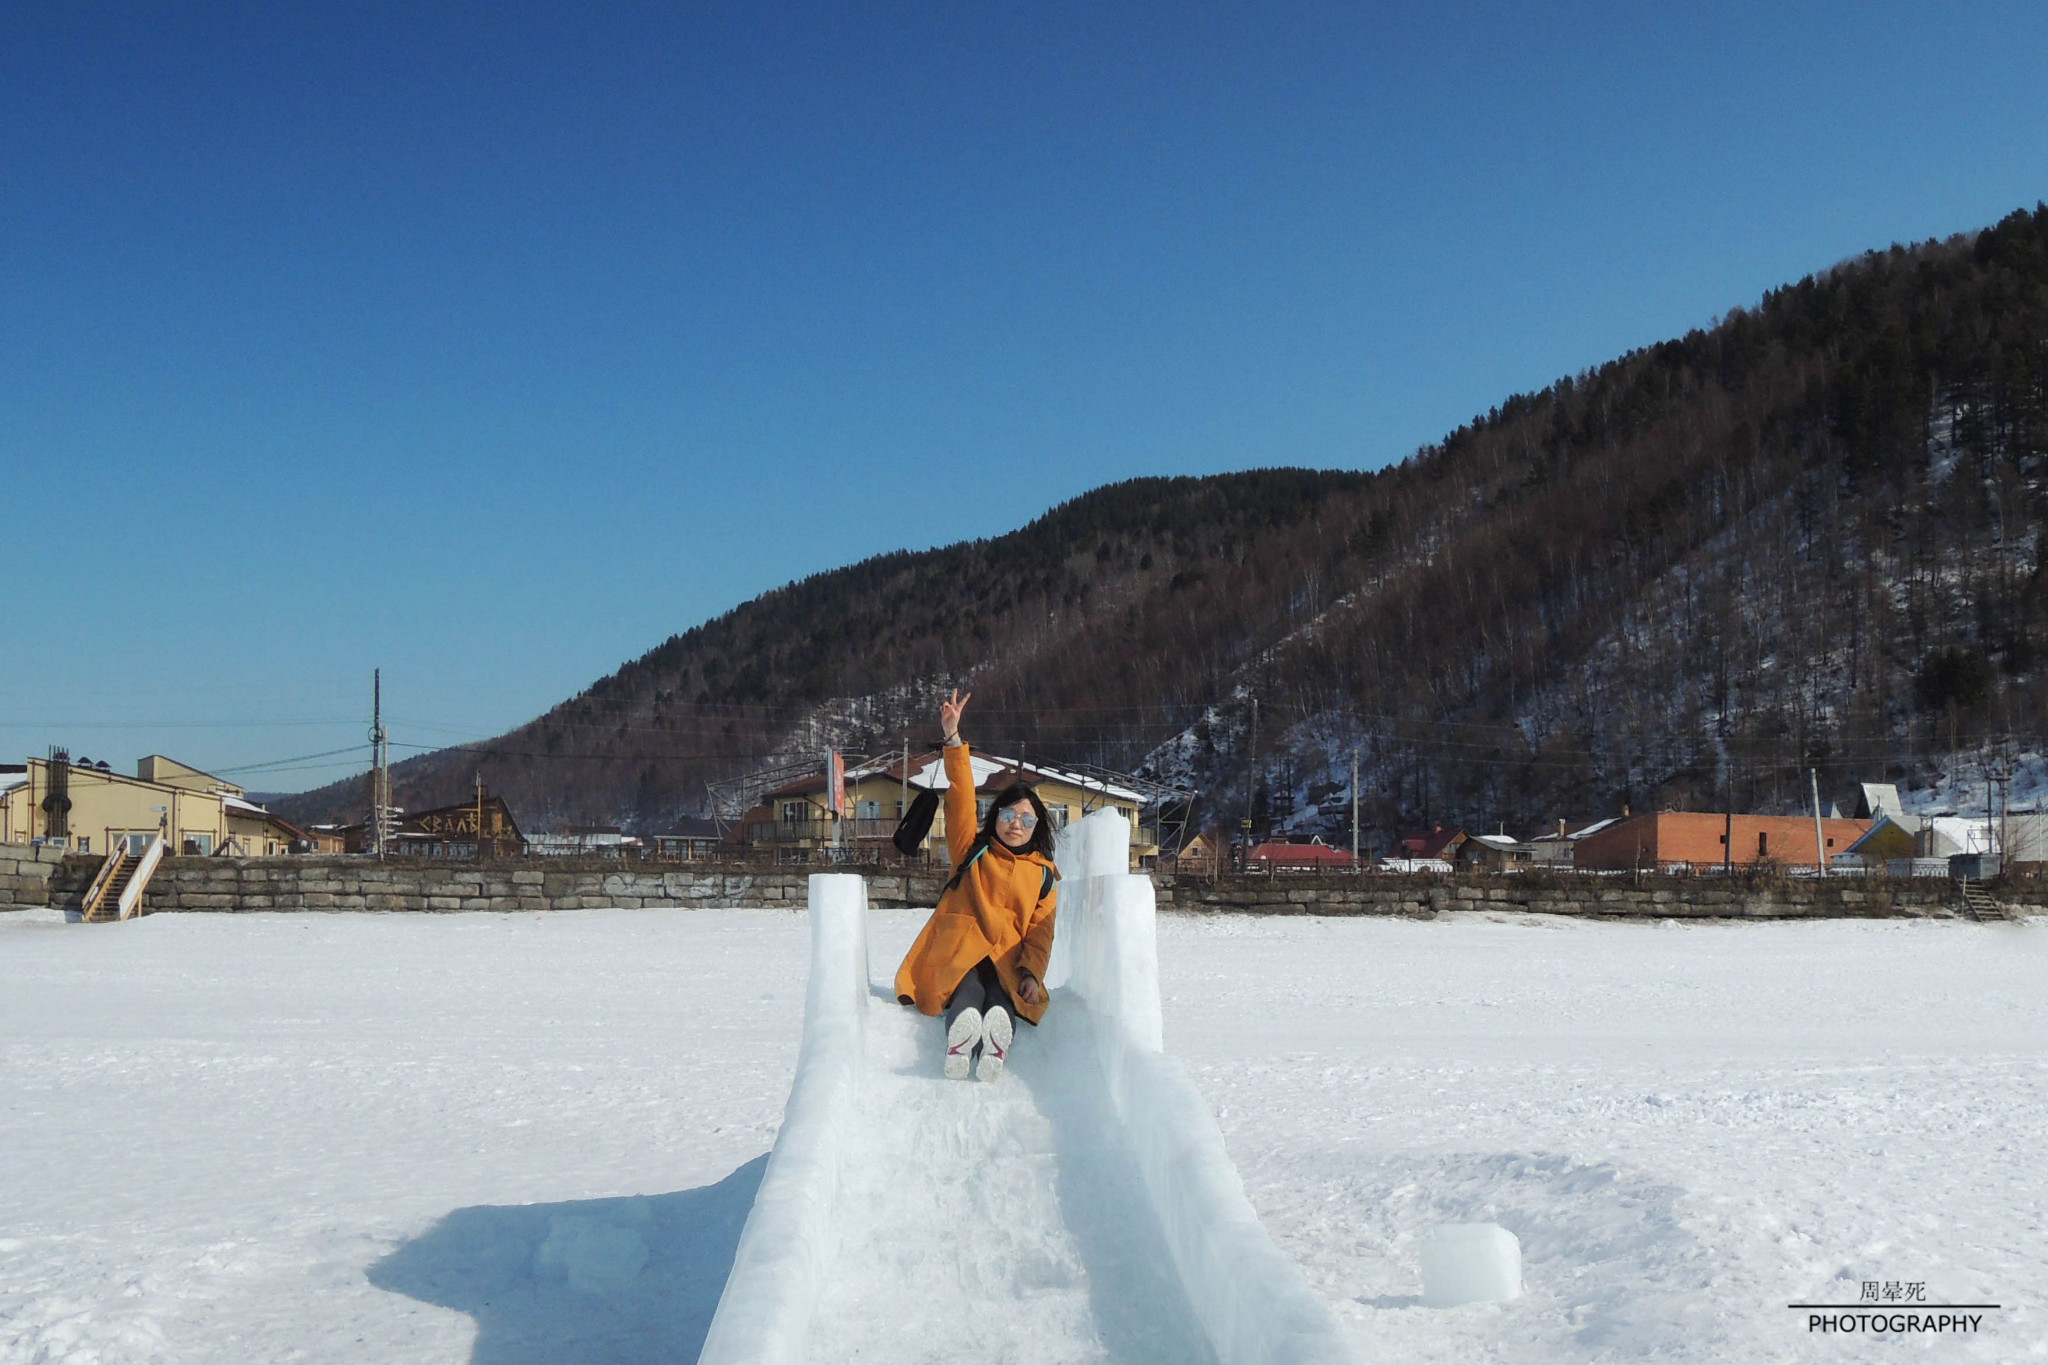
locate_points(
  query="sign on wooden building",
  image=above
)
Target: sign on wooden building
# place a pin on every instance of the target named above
(451, 831)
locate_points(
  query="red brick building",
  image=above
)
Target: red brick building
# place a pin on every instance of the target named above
(1693, 838)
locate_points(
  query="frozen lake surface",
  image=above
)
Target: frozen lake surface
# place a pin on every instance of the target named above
(513, 1139)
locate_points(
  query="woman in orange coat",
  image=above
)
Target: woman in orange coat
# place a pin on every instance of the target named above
(981, 957)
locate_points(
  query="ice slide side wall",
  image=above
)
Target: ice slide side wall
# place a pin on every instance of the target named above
(764, 1315)
(1253, 1304)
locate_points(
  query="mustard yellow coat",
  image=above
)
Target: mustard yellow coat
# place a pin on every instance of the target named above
(996, 911)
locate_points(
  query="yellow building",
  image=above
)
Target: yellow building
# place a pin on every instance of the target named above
(90, 808)
(796, 822)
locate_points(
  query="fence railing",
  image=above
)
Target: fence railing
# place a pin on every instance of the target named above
(819, 831)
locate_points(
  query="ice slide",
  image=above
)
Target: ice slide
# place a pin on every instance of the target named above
(1080, 1209)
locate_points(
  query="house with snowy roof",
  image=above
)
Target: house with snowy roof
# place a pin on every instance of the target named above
(91, 808)
(1493, 853)
(1559, 847)
(796, 821)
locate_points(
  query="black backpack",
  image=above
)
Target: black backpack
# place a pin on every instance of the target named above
(916, 823)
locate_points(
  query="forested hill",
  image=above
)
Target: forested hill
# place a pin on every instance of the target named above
(1808, 536)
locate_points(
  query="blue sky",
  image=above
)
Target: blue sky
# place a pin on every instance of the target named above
(493, 344)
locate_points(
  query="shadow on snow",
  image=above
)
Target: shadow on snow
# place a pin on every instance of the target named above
(604, 1281)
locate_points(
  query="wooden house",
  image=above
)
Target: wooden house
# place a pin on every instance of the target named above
(451, 831)
(689, 840)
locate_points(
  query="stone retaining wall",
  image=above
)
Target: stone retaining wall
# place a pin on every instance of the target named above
(418, 884)
(1662, 897)
(26, 874)
(30, 876)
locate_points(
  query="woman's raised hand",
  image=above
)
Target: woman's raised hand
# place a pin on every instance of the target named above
(949, 715)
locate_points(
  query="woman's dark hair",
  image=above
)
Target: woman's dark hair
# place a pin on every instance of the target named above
(1041, 834)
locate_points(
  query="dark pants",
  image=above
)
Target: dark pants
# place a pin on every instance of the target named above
(980, 989)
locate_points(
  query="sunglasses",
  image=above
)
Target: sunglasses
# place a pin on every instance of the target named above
(1022, 820)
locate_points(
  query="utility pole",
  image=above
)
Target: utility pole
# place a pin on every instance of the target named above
(479, 814)
(1727, 813)
(1354, 808)
(1820, 845)
(2003, 830)
(1251, 783)
(380, 762)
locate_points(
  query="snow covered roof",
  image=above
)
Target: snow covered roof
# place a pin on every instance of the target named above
(930, 771)
(1500, 841)
(241, 807)
(1962, 834)
(1595, 827)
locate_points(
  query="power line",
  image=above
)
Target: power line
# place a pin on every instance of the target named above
(176, 724)
(283, 762)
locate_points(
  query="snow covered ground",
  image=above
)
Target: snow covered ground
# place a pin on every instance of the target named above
(513, 1139)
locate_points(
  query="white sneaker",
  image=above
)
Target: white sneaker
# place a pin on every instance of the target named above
(961, 1040)
(996, 1032)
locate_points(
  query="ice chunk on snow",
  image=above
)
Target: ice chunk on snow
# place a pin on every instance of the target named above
(595, 1255)
(1470, 1263)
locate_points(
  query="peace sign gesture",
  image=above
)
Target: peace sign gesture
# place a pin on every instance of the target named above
(949, 715)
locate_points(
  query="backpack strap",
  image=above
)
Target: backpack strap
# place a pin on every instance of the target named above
(980, 847)
(960, 872)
